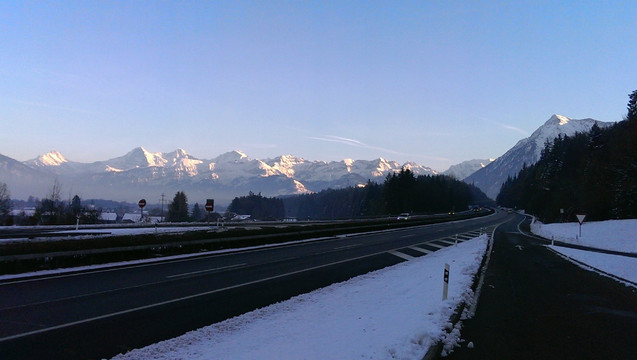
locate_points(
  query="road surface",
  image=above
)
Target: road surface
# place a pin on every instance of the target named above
(98, 314)
(536, 305)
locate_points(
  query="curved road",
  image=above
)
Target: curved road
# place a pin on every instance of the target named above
(101, 313)
(535, 304)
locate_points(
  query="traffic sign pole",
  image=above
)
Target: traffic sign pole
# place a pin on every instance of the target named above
(210, 205)
(580, 220)
(141, 205)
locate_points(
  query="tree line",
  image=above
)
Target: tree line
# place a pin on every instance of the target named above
(592, 173)
(400, 192)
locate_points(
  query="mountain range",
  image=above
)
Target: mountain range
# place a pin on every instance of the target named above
(527, 151)
(143, 174)
(466, 168)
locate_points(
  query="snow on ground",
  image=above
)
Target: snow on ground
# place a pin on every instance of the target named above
(111, 231)
(621, 266)
(618, 235)
(139, 230)
(393, 313)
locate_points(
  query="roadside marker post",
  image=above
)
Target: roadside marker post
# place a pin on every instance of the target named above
(445, 285)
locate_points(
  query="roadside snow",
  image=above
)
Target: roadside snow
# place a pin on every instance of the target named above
(619, 235)
(112, 231)
(393, 313)
(621, 266)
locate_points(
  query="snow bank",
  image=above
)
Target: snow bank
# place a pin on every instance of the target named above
(621, 266)
(619, 235)
(393, 313)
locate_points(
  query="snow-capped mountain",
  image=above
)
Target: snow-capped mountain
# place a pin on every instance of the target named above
(22, 179)
(466, 168)
(140, 173)
(527, 151)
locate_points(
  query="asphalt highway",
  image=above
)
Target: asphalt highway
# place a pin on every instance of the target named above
(100, 313)
(536, 305)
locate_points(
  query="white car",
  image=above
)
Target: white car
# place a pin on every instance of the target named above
(403, 216)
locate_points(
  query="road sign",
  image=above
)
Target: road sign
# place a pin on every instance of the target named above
(142, 203)
(210, 204)
(580, 220)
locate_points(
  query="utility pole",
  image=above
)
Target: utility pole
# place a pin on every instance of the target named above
(162, 207)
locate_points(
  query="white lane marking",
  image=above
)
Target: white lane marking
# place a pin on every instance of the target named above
(407, 236)
(347, 246)
(401, 255)
(424, 251)
(205, 271)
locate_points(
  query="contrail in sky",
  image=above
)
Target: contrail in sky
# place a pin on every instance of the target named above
(360, 144)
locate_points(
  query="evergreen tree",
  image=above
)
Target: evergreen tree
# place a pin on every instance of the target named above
(258, 207)
(632, 107)
(5, 203)
(197, 214)
(178, 208)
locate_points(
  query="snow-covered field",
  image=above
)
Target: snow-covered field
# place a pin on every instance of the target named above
(393, 313)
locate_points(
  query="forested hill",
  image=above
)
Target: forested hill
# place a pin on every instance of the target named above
(401, 192)
(592, 173)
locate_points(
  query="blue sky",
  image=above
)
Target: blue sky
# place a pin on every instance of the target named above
(435, 82)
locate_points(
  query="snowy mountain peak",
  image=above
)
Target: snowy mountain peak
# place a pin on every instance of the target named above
(180, 153)
(231, 156)
(140, 157)
(52, 158)
(528, 151)
(559, 120)
(466, 168)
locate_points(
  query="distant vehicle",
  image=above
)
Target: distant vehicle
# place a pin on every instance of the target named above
(403, 216)
(452, 212)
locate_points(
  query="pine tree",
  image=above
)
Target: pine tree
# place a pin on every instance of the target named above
(178, 208)
(632, 107)
(197, 214)
(5, 203)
